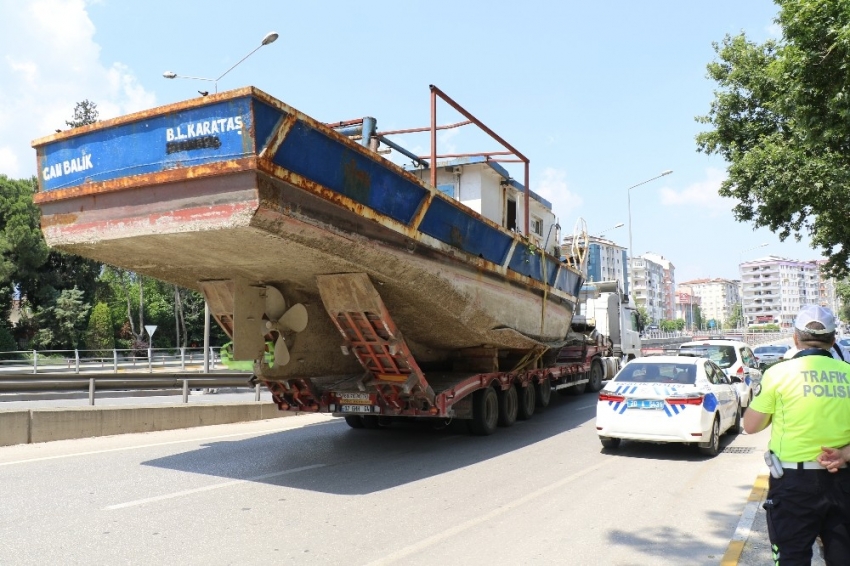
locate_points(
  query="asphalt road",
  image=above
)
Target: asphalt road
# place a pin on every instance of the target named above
(309, 490)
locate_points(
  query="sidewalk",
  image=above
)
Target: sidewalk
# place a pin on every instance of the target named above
(750, 545)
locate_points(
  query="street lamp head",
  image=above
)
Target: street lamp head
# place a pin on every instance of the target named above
(270, 38)
(620, 225)
(667, 172)
(169, 75)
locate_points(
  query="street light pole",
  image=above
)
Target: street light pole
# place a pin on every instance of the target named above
(269, 38)
(740, 264)
(620, 225)
(631, 253)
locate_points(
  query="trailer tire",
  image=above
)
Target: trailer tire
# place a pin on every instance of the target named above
(543, 392)
(371, 422)
(508, 406)
(594, 383)
(485, 412)
(354, 421)
(574, 390)
(527, 401)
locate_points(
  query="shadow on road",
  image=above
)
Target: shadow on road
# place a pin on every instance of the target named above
(349, 461)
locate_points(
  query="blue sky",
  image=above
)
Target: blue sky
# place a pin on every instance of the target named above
(599, 95)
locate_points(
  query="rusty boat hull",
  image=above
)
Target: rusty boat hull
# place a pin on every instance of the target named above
(239, 190)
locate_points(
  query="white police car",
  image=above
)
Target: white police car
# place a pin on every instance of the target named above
(735, 358)
(669, 399)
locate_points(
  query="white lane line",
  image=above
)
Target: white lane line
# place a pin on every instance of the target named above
(124, 448)
(208, 488)
(448, 533)
(586, 407)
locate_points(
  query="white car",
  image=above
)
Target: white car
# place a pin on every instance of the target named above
(669, 399)
(735, 358)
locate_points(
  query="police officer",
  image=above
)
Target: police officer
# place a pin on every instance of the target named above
(806, 401)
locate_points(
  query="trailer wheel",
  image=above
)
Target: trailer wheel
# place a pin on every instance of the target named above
(485, 412)
(574, 390)
(508, 406)
(371, 422)
(527, 401)
(595, 378)
(354, 421)
(543, 391)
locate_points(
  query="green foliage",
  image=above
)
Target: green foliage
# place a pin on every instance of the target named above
(764, 328)
(735, 319)
(780, 119)
(675, 325)
(85, 113)
(61, 325)
(697, 317)
(101, 332)
(642, 316)
(7, 341)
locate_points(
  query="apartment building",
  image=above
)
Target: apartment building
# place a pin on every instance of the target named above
(649, 287)
(718, 297)
(828, 297)
(606, 261)
(685, 304)
(775, 288)
(668, 285)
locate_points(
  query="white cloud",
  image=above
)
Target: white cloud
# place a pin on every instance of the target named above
(774, 31)
(701, 195)
(50, 62)
(553, 187)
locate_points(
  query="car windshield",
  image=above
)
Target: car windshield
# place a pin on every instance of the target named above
(722, 355)
(770, 350)
(638, 372)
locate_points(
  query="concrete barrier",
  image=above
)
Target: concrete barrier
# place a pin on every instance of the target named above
(14, 427)
(45, 425)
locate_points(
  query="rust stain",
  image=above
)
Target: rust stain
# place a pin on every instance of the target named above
(148, 179)
(58, 220)
(356, 181)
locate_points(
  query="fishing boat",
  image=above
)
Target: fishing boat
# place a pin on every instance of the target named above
(305, 235)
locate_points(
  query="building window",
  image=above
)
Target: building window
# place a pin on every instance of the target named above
(537, 226)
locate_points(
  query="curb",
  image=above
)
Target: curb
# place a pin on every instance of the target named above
(744, 528)
(45, 425)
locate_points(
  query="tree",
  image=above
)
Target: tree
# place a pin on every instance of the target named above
(735, 319)
(642, 317)
(101, 333)
(85, 113)
(780, 119)
(697, 317)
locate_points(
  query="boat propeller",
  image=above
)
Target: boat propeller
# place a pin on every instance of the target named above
(281, 320)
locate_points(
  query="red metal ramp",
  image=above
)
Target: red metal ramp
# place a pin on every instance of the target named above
(370, 334)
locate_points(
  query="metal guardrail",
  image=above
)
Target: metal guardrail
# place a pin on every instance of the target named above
(117, 360)
(27, 383)
(40, 371)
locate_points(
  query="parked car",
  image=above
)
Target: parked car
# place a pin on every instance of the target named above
(769, 354)
(669, 399)
(734, 357)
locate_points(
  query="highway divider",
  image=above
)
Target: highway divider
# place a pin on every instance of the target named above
(45, 425)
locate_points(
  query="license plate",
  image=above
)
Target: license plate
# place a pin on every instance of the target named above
(356, 408)
(644, 404)
(354, 398)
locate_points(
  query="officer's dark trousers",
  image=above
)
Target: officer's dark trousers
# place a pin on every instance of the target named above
(805, 504)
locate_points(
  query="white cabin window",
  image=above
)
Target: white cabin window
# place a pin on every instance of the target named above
(537, 226)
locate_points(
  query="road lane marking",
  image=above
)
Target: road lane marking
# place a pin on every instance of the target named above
(448, 533)
(745, 524)
(586, 407)
(208, 488)
(153, 445)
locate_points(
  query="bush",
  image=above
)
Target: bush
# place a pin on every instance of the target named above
(100, 336)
